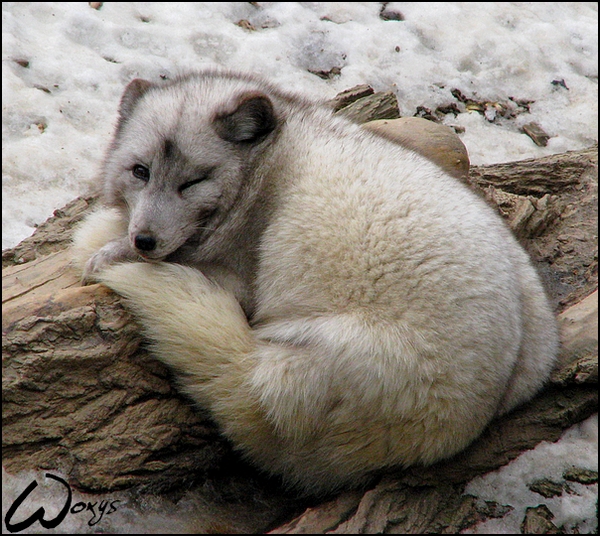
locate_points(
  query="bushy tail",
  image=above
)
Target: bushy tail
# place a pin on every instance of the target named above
(264, 395)
(196, 327)
(200, 331)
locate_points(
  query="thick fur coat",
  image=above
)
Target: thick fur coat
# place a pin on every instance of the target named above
(338, 302)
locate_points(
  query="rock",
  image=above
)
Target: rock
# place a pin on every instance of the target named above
(389, 14)
(437, 142)
(538, 520)
(246, 25)
(326, 74)
(583, 476)
(537, 134)
(548, 488)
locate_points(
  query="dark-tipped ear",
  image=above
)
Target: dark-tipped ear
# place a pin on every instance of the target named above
(134, 91)
(252, 118)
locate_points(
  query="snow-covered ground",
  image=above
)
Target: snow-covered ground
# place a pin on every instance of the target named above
(65, 64)
(576, 507)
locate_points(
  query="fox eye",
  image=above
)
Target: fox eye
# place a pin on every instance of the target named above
(141, 172)
(188, 184)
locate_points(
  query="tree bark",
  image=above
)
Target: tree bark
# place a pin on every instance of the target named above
(82, 395)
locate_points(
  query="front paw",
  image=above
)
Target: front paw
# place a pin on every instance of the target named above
(93, 267)
(112, 253)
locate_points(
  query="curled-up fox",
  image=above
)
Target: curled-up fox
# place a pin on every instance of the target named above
(339, 303)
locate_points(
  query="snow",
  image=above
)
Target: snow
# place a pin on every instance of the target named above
(578, 447)
(65, 66)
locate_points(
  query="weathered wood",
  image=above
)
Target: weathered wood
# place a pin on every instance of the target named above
(344, 98)
(537, 134)
(547, 175)
(372, 107)
(82, 395)
(53, 235)
(551, 204)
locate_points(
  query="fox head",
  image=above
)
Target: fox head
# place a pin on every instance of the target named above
(179, 160)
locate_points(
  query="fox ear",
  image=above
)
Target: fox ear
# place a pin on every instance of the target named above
(134, 91)
(251, 119)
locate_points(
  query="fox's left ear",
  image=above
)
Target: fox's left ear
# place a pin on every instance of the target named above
(250, 118)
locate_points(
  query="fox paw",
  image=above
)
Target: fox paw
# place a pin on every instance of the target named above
(114, 252)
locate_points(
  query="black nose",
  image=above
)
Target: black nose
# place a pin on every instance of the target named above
(145, 242)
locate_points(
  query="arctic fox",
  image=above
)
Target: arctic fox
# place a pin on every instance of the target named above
(338, 302)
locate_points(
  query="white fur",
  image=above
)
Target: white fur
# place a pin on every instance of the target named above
(94, 238)
(392, 314)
